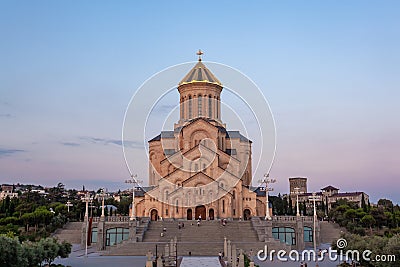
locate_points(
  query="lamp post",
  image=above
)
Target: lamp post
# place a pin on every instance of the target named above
(134, 182)
(102, 194)
(267, 181)
(87, 198)
(314, 198)
(91, 207)
(297, 191)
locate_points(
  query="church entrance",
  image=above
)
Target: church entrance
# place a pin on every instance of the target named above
(211, 214)
(154, 215)
(246, 214)
(200, 211)
(189, 214)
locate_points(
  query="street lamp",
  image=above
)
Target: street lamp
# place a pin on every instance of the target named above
(134, 182)
(102, 194)
(87, 198)
(297, 191)
(314, 198)
(267, 181)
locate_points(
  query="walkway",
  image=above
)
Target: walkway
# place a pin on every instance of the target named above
(200, 262)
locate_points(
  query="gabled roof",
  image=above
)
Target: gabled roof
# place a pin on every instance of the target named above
(200, 73)
(329, 187)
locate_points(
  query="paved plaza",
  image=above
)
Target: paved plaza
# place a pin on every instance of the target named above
(200, 262)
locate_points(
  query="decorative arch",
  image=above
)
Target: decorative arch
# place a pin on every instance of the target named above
(154, 214)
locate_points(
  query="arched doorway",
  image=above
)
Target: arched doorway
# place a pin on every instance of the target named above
(189, 214)
(200, 211)
(246, 214)
(154, 215)
(211, 214)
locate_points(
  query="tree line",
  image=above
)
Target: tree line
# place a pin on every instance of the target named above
(13, 253)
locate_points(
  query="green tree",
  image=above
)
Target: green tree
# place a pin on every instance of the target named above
(350, 214)
(290, 210)
(368, 221)
(10, 252)
(50, 249)
(363, 204)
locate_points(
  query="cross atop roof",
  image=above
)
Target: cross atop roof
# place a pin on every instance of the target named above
(199, 53)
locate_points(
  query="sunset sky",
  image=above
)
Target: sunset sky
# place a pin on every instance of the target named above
(329, 70)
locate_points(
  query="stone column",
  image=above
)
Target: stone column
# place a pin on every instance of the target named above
(268, 230)
(101, 234)
(234, 255)
(166, 251)
(299, 233)
(83, 233)
(159, 262)
(241, 259)
(229, 253)
(225, 248)
(171, 247)
(132, 230)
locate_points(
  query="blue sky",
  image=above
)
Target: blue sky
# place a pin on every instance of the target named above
(329, 69)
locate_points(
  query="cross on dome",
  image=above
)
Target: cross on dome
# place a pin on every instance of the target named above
(199, 53)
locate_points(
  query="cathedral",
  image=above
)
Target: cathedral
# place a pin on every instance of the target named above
(200, 169)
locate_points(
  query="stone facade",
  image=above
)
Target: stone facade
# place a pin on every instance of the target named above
(200, 168)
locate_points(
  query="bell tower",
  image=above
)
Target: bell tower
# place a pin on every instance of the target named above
(200, 94)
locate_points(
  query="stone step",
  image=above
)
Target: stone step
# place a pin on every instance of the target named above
(330, 232)
(195, 248)
(70, 233)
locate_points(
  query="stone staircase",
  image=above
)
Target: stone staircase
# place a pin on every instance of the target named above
(330, 232)
(71, 233)
(205, 240)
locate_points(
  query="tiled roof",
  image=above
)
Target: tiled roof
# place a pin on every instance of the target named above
(347, 194)
(200, 73)
(164, 134)
(329, 187)
(237, 134)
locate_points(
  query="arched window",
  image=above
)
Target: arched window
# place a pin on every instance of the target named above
(199, 105)
(190, 107)
(177, 206)
(223, 206)
(284, 234)
(209, 106)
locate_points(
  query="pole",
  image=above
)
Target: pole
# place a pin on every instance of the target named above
(267, 181)
(102, 203)
(134, 182)
(267, 215)
(297, 201)
(315, 217)
(133, 217)
(87, 199)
